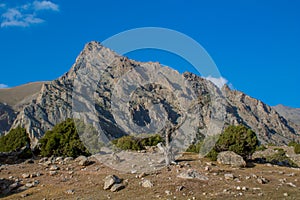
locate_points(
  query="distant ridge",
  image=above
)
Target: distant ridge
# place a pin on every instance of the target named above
(13, 96)
(291, 114)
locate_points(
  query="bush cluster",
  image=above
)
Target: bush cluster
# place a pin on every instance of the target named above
(195, 148)
(135, 143)
(297, 149)
(62, 140)
(15, 139)
(296, 146)
(280, 158)
(238, 139)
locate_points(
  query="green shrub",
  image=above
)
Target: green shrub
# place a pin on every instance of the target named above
(136, 144)
(195, 148)
(151, 141)
(261, 148)
(62, 140)
(16, 138)
(212, 155)
(280, 158)
(238, 139)
(292, 144)
(297, 149)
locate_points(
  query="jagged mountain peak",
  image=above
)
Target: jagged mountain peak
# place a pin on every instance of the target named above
(53, 103)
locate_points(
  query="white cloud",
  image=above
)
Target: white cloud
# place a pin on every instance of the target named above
(219, 82)
(45, 5)
(26, 14)
(3, 86)
(13, 17)
(2, 5)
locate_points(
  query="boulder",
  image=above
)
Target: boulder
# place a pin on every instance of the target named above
(147, 183)
(231, 158)
(110, 180)
(83, 161)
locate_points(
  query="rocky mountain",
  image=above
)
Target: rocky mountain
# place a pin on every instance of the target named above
(118, 96)
(291, 114)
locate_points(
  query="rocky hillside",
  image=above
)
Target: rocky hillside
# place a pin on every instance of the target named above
(160, 98)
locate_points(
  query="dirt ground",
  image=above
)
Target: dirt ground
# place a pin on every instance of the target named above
(86, 182)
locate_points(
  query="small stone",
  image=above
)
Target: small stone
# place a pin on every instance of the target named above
(291, 174)
(262, 180)
(36, 182)
(192, 174)
(229, 176)
(47, 163)
(179, 188)
(29, 161)
(207, 168)
(42, 160)
(238, 188)
(247, 177)
(68, 159)
(83, 161)
(24, 195)
(291, 184)
(142, 175)
(59, 159)
(285, 194)
(168, 192)
(244, 188)
(29, 185)
(38, 174)
(147, 184)
(71, 191)
(25, 175)
(52, 173)
(110, 180)
(117, 187)
(54, 167)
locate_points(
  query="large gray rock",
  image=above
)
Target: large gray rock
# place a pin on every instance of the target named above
(231, 158)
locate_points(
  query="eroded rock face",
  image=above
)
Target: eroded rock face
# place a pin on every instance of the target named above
(191, 104)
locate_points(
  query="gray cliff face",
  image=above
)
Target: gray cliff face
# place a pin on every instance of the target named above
(265, 121)
(190, 103)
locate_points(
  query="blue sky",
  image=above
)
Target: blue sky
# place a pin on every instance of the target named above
(255, 44)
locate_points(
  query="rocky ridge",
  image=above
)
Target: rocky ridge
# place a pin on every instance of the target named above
(208, 111)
